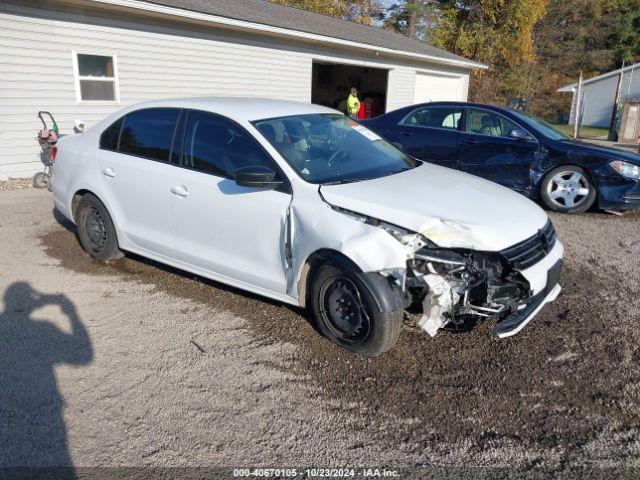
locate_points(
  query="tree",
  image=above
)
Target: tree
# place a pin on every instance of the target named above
(359, 11)
(532, 47)
(592, 36)
(413, 18)
(569, 39)
(624, 33)
(498, 33)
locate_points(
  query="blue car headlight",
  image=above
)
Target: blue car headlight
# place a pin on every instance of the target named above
(626, 169)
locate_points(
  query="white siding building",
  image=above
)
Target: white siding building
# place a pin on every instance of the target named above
(598, 95)
(84, 59)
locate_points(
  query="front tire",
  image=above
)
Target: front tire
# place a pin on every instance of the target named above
(347, 314)
(568, 189)
(96, 232)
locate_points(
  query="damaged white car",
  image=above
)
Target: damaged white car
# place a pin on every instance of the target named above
(300, 204)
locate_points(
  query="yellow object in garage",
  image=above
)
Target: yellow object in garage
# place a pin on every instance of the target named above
(353, 104)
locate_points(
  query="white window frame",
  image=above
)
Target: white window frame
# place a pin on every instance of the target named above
(114, 79)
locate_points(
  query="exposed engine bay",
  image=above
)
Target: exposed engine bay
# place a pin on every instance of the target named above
(456, 285)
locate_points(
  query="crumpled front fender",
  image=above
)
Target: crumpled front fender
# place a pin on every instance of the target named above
(370, 248)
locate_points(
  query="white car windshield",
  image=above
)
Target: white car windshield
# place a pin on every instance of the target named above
(331, 148)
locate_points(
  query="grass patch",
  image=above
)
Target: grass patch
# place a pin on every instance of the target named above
(585, 132)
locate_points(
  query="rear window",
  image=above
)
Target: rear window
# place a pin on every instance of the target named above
(149, 133)
(109, 138)
(436, 117)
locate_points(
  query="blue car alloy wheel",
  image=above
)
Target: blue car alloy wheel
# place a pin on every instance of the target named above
(567, 189)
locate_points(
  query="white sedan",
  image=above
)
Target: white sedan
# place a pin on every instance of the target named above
(301, 204)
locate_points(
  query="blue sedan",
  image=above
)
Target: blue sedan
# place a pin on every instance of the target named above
(517, 151)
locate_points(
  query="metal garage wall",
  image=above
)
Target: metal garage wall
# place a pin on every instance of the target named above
(598, 102)
(598, 96)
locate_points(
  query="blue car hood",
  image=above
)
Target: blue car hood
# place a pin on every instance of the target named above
(586, 149)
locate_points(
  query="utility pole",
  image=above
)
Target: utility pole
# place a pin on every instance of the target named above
(613, 136)
(633, 67)
(576, 116)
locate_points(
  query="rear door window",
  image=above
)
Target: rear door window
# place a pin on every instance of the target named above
(436, 117)
(109, 138)
(149, 133)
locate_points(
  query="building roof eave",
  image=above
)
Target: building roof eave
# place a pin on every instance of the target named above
(573, 86)
(274, 30)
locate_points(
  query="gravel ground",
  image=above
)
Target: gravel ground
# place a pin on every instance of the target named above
(15, 184)
(135, 364)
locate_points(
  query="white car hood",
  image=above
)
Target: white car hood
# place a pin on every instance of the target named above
(450, 208)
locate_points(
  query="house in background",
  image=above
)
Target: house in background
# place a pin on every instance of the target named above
(84, 59)
(598, 95)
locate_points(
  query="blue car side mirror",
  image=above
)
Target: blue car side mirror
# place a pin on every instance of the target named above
(520, 134)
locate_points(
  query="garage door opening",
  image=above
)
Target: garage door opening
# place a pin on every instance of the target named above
(331, 83)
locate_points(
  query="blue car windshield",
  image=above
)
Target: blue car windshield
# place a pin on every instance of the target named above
(331, 148)
(541, 126)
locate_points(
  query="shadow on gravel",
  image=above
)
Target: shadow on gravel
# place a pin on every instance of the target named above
(63, 221)
(32, 429)
(539, 397)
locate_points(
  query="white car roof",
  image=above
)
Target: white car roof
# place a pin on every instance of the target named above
(239, 108)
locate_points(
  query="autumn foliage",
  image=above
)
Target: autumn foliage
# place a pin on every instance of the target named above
(532, 47)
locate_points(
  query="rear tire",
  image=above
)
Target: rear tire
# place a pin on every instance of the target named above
(568, 189)
(96, 232)
(347, 314)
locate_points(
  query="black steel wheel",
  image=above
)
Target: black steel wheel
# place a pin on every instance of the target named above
(96, 232)
(347, 314)
(344, 311)
(96, 229)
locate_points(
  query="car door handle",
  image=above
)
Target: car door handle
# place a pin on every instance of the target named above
(180, 191)
(109, 172)
(406, 134)
(470, 141)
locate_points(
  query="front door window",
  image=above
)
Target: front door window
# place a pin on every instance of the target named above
(483, 122)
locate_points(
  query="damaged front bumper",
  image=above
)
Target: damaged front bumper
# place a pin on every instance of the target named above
(517, 321)
(619, 196)
(511, 286)
(530, 307)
